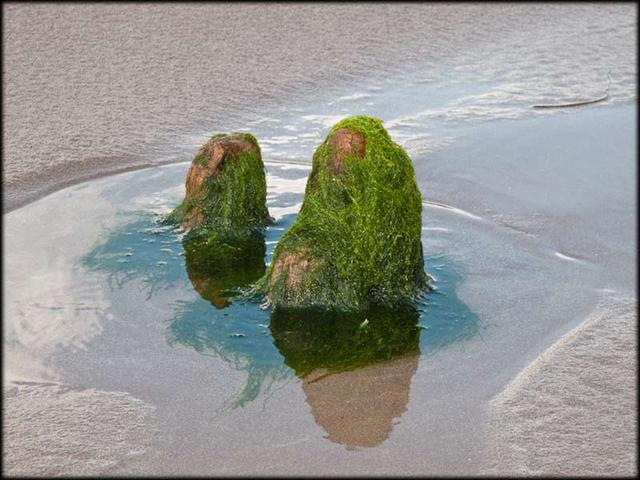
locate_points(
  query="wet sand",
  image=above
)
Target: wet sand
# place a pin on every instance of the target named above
(100, 87)
(93, 89)
(79, 431)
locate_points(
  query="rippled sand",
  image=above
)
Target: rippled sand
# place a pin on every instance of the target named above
(80, 431)
(573, 411)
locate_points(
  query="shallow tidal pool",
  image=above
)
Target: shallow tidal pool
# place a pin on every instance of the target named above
(230, 323)
(125, 313)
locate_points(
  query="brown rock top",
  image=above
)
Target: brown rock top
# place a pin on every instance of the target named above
(345, 142)
(210, 159)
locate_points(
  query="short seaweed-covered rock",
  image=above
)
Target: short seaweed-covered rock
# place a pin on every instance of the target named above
(356, 241)
(224, 210)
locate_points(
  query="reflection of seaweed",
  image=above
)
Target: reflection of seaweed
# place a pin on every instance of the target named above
(150, 253)
(354, 405)
(311, 339)
(219, 268)
(141, 250)
(216, 278)
(239, 337)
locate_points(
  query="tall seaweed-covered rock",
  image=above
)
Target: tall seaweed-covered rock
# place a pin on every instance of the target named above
(356, 241)
(224, 210)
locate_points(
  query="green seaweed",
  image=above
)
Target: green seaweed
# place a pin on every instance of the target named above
(358, 231)
(235, 198)
(232, 207)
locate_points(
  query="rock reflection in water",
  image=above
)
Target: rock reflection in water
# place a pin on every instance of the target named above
(356, 369)
(217, 281)
(142, 264)
(357, 408)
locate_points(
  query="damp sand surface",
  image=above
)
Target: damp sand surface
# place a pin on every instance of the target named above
(99, 300)
(91, 89)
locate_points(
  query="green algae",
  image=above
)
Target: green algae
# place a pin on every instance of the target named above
(356, 241)
(225, 210)
(236, 197)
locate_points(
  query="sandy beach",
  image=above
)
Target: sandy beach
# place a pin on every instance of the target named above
(526, 362)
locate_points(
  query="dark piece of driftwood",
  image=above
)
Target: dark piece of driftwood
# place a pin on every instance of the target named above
(577, 104)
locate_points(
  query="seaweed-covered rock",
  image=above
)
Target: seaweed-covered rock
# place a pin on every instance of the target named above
(356, 241)
(225, 185)
(224, 210)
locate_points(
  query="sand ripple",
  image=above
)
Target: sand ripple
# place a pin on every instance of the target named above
(51, 429)
(573, 410)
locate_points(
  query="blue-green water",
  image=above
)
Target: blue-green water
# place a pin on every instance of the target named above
(228, 322)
